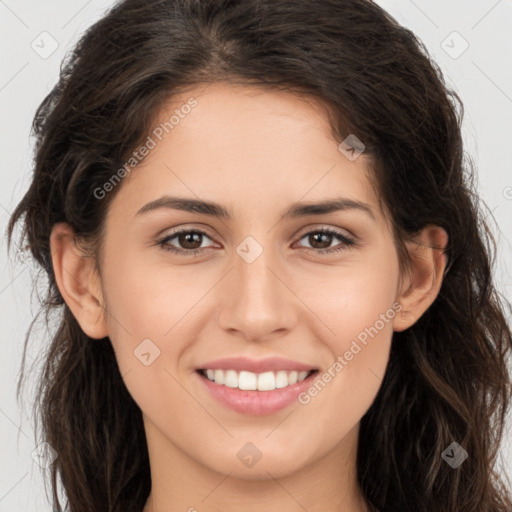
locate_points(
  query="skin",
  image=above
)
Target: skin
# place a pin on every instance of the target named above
(256, 152)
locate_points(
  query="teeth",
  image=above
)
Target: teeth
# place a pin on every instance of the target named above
(230, 379)
(267, 381)
(218, 376)
(282, 379)
(247, 380)
(301, 376)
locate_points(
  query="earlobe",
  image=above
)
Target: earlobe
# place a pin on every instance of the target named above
(423, 282)
(77, 281)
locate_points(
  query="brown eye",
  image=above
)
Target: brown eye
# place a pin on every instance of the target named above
(321, 239)
(187, 242)
(189, 239)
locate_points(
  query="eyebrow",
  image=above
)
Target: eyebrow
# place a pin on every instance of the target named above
(295, 211)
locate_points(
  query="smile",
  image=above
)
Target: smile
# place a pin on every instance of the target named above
(250, 381)
(255, 394)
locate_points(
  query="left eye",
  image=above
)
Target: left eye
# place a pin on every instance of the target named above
(320, 234)
(191, 241)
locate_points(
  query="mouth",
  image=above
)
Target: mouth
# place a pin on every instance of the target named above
(255, 394)
(250, 381)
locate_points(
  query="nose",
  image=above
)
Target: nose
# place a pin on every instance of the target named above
(257, 301)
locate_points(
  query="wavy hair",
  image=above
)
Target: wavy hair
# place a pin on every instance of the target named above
(447, 379)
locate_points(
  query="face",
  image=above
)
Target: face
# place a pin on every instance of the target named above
(263, 281)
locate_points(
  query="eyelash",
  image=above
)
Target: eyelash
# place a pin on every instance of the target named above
(347, 242)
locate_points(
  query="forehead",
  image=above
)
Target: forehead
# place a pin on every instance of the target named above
(246, 145)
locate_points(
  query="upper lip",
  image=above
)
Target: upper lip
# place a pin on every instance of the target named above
(256, 365)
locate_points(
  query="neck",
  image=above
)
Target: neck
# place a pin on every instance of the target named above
(327, 484)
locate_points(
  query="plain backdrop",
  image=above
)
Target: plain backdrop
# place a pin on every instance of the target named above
(470, 40)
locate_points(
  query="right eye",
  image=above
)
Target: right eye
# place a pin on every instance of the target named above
(184, 237)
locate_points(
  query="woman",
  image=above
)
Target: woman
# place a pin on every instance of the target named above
(332, 338)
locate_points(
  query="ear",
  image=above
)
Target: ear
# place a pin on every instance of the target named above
(78, 281)
(421, 285)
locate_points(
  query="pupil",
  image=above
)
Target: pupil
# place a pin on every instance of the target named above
(188, 238)
(317, 238)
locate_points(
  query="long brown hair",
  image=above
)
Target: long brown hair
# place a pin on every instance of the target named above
(447, 379)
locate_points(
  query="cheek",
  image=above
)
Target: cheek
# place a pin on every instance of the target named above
(358, 305)
(147, 300)
(150, 320)
(354, 296)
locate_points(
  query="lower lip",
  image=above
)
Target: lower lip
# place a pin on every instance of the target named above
(257, 403)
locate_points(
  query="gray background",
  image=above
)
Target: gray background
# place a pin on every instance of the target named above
(34, 37)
